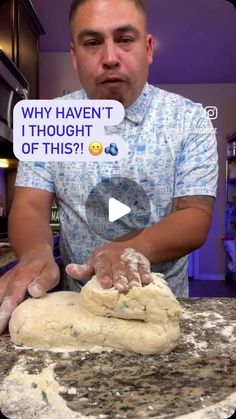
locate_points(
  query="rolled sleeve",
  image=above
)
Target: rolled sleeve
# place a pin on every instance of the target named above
(36, 175)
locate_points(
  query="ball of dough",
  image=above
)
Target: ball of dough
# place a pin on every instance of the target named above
(100, 319)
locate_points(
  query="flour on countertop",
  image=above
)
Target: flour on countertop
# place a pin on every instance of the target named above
(207, 321)
(43, 399)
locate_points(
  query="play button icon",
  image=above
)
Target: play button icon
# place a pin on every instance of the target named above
(116, 207)
(117, 210)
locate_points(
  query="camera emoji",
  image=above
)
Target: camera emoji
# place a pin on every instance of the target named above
(211, 112)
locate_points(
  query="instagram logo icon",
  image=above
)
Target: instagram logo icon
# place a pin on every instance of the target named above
(211, 112)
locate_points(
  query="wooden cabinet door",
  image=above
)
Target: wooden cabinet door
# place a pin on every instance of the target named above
(20, 30)
(27, 59)
(8, 28)
(29, 31)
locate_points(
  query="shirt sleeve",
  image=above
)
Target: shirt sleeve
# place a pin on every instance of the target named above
(36, 175)
(197, 166)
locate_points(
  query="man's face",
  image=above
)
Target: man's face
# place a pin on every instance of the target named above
(111, 50)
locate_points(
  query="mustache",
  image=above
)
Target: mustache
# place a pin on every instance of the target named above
(112, 76)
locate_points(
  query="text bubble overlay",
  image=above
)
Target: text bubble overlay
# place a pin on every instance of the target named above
(67, 130)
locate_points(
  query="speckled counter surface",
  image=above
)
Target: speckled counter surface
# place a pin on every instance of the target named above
(7, 256)
(198, 376)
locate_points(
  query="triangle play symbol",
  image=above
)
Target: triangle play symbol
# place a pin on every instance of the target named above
(117, 210)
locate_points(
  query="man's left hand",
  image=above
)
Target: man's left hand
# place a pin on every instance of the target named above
(121, 268)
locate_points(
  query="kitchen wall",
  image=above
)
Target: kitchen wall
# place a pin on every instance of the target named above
(57, 74)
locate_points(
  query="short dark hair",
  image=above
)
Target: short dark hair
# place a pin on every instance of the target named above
(140, 4)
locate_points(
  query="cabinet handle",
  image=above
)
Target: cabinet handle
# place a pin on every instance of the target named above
(23, 93)
(9, 109)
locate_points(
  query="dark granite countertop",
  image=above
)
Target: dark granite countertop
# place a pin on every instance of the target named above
(198, 376)
(6, 255)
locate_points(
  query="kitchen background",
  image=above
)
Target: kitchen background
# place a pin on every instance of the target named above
(195, 56)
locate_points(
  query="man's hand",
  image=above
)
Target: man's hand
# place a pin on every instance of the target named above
(114, 265)
(36, 273)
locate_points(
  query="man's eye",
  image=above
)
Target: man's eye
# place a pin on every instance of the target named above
(91, 43)
(125, 40)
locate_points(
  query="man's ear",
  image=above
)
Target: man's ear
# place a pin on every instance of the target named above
(73, 55)
(150, 48)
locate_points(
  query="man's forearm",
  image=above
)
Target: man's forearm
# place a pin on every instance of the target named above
(29, 232)
(31, 239)
(174, 236)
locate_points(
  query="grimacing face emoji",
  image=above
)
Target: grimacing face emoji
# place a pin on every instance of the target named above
(95, 148)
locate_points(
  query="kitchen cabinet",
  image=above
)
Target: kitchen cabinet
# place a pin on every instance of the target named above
(20, 31)
(8, 25)
(229, 240)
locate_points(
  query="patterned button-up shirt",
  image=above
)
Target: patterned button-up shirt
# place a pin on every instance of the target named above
(171, 153)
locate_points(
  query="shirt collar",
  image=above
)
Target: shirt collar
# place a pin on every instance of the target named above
(137, 110)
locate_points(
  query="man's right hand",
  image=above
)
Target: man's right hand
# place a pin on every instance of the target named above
(36, 273)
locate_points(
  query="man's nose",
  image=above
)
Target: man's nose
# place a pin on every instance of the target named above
(110, 57)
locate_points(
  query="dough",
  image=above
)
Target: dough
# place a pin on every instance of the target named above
(145, 320)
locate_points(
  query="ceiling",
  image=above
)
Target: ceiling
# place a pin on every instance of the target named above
(196, 39)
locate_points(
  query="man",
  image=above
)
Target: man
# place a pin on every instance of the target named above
(111, 52)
